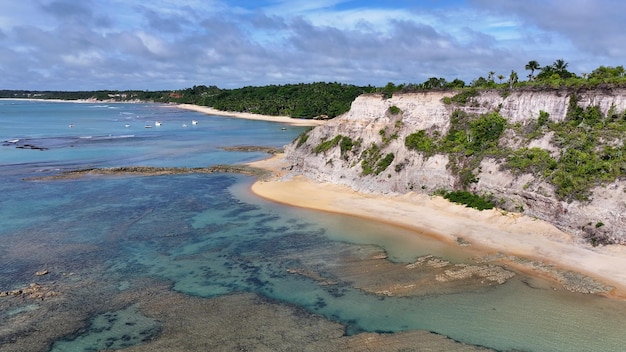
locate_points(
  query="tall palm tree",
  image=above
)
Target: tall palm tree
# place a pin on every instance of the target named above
(532, 65)
(560, 65)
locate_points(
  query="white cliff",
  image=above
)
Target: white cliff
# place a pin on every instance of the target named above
(371, 120)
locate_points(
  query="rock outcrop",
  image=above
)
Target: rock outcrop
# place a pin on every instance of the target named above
(382, 125)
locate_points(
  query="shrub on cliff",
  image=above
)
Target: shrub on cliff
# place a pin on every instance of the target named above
(421, 142)
(464, 96)
(469, 199)
(327, 145)
(534, 161)
(394, 110)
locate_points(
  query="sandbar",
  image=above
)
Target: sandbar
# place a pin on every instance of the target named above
(489, 231)
(243, 115)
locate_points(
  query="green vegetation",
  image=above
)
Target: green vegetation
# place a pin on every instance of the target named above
(421, 142)
(369, 159)
(535, 161)
(592, 151)
(372, 161)
(464, 96)
(470, 200)
(303, 137)
(555, 75)
(327, 144)
(346, 144)
(295, 100)
(469, 139)
(384, 163)
(394, 110)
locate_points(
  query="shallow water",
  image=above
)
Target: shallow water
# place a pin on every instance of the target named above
(104, 240)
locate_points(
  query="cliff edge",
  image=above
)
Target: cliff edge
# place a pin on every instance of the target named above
(557, 155)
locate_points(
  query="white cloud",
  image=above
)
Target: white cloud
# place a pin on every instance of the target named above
(88, 58)
(170, 44)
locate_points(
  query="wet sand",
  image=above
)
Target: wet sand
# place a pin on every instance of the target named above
(243, 115)
(517, 240)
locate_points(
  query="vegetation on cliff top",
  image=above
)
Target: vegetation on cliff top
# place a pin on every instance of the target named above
(550, 76)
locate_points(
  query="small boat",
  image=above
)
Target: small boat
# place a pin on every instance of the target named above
(157, 123)
(13, 141)
(194, 122)
(148, 126)
(71, 125)
(126, 125)
(184, 125)
(283, 128)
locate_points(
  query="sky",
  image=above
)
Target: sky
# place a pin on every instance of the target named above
(177, 44)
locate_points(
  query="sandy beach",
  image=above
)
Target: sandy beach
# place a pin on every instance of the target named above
(282, 119)
(489, 232)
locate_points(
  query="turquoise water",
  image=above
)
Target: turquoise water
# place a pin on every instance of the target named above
(207, 236)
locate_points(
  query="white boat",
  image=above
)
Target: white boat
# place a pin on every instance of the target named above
(71, 125)
(184, 125)
(13, 140)
(157, 123)
(194, 122)
(126, 125)
(148, 126)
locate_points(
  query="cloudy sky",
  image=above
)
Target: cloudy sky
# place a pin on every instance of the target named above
(175, 44)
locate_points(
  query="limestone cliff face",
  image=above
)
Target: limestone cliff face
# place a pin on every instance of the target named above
(371, 121)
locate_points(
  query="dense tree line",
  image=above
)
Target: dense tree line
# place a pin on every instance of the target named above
(302, 100)
(550, 76)
(296, 100)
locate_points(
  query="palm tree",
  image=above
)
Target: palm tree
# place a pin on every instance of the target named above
(500, 77)
(532, 65)
(513, 79)
(560, 65)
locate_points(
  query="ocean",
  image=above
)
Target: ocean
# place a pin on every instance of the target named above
(196, 261)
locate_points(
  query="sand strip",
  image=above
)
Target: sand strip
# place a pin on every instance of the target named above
(282, 119)
(491, 231)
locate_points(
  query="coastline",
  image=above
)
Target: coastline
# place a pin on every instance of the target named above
(243, 115)
(506, 238)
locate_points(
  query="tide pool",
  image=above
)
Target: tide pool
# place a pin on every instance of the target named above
(121, 252)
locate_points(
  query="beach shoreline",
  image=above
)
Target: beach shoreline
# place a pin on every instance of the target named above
(243, 115)
(508, 238)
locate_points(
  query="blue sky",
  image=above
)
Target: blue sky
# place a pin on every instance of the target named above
(174, 44)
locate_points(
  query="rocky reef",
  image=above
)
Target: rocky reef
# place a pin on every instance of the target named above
(368, 150)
